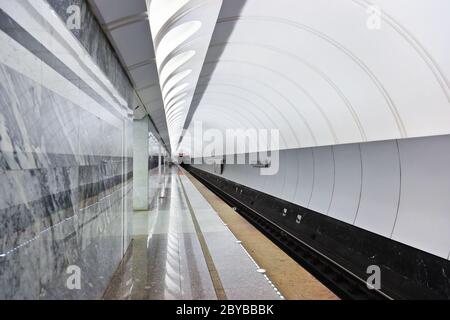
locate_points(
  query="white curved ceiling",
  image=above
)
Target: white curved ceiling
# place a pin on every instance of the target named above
(314, 70)
(310, 68)
(181, 32)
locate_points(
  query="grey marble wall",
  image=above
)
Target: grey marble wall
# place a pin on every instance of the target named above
(65, 166)
(96, 43)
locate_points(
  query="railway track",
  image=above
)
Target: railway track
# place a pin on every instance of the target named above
(341, 281)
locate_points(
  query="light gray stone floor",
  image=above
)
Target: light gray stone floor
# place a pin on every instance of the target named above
(167, 261)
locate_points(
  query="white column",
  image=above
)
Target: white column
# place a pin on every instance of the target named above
(140, 164)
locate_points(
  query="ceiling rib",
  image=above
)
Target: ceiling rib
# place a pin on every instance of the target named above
(181, 30)
(125, 21)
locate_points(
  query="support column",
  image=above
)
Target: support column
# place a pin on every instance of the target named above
(140, 164)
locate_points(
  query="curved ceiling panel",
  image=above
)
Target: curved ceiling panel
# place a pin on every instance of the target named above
(165, 10)
(182, 88)
(174, 80)
(175, 100)
(175, 107)
(319, 73)
(173, 65)
(181, 31)
(175, 38)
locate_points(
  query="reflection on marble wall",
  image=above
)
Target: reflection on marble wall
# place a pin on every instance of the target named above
(65, 159)
(95, 42)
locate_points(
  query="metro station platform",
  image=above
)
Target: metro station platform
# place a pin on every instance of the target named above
(191, 245)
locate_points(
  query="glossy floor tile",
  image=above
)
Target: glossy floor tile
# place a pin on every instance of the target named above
(182, 250)
(166, 260)
(294, 282)
(236, 269)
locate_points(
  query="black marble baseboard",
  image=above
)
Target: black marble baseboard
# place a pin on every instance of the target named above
(406, 272)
